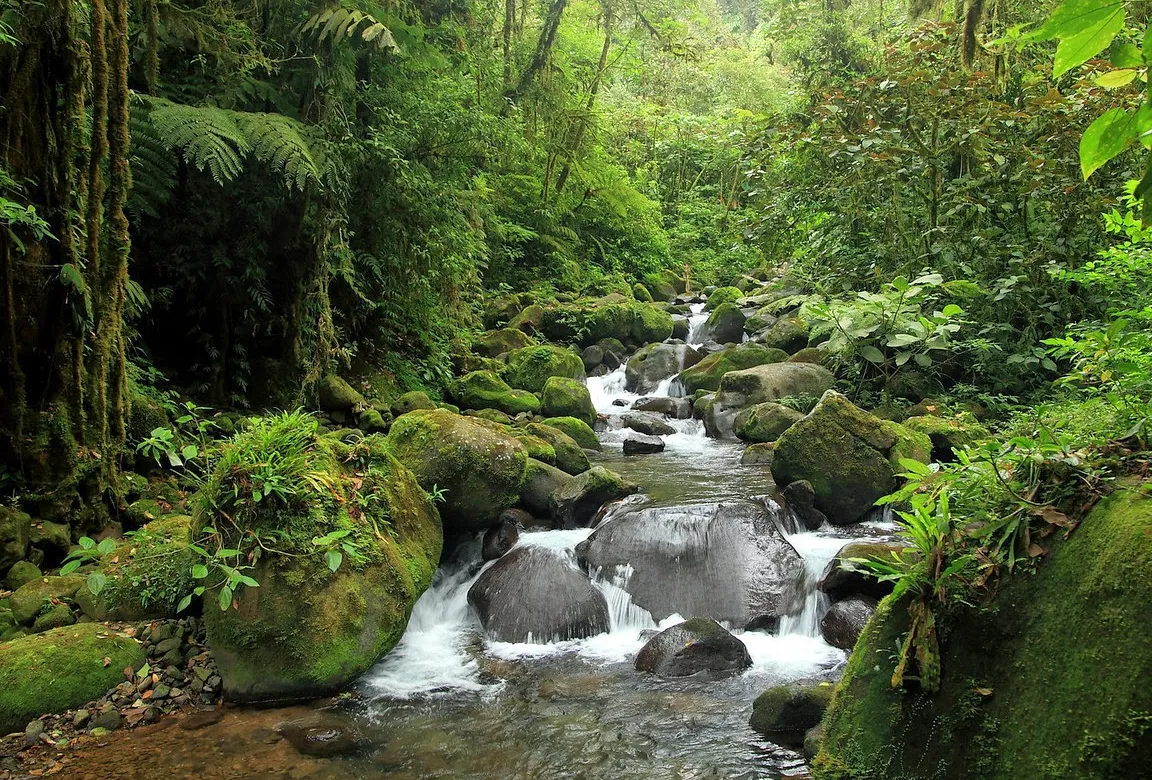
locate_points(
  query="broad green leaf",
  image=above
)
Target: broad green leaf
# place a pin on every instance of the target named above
(929, 279)
(184, 603)
(923, 360)
(952, 310)
(1084, 27)
(902, 339)
(190, 451)
(199, 571)
(70, 567)
(333, 558)
(1108, 136)
(913, 466)
(1126, 55)
(1114, 79)
(144, 671)
(225, 599)
(871, 354)
(96, 582)
(106, 546)
(87, 543)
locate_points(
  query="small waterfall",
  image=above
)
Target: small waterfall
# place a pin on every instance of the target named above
(808, 603)
(696, 323)
(623, 615)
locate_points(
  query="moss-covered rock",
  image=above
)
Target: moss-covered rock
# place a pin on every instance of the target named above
(630, 322)
(948, 433)
(36, 596)
(529, 320)
(501, 309)
(374, 421)
(771, 382)
(540, 482)
(725, 325)
(147, 576)
(537, 448)
(763, 318)
(491, 415)
(336, 395)
(485, 390)
(410, 402)
(57, 616)
(787, 333)
(579, 430)
(52, 539)
(498, 342)
(567, 398)
(758, 455)
(530, 368)
(145, 414)
(21, 573)
(850, 457)
(706, 374)
(722, 296)
(764, 422)
(307, 631)
(1049, 683)
(640, 293)
(480, 469)
(576, 502)
(61, 669)
(570, 457)
(784, 713)
(15, 527)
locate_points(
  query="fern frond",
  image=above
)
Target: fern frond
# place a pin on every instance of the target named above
(337, 24)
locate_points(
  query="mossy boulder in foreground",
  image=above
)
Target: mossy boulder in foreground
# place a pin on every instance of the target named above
(764, 422)
(850, 457)
(307, 631)
(784, 712)
(61, 669)
(479, 468)
(1054, 682)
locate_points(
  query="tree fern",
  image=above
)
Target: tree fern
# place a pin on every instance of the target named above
(337, 24)
(220, 141)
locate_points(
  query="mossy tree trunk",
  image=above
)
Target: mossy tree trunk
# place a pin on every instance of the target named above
(64, 139)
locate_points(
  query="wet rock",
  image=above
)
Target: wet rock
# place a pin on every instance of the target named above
(640, 444)
(614, 353)
(657, 362)
(785, 712)
(843, 578)
(535, 594)
(694, 646)
(800, 499)
(726, 561)
(850, 457)
(646, 423)
(725, 325)
(680, 327)
(542, 481)
(766, 624)
(764, 422)
(844, 620)
(525, 521)
(592, 357)
(758, 455)
(323, 734)
(676, 408)
(576, 502)
(32, 732)
(499, 540)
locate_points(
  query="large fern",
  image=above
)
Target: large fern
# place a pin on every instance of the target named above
(220, 141)
(339, 23)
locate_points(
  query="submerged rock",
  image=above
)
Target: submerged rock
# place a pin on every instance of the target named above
(726, 561)
(844, 620)
(535, 594)
(800, 499)
(785, 712)
(323, 734)
(696, 645)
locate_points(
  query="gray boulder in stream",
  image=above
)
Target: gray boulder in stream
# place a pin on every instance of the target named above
(843, 622)
(640, 444)
(647, 423)
(726, 561)
(657, 362)
(694, 646)
(535, 594)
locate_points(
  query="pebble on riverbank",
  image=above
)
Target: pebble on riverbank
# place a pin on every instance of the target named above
(179, 676)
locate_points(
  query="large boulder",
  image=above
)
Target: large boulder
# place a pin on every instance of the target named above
(773, 381)
(787, 333)
(540, 482)
(784, 712)
(308, 631)
(706, 374)
(724, 325)
(631, 323)
(336, 395)
(764, 422)
(646, 423)
(657, 362)
(570, 456)
(844, 578)
(850, 457)
(575, 503)
(536, 594)
(497, 342)
(580, 431)
(722, 296)
(844, 620)
(60, 670)
(15, 527)
(30, 599)
(725, 561)
(528, 320)
(676, 408)
(479, 468)
(530, 368)
(567, 398)
(485, 390)
(410, 402)
(948, 433)
(642, 444)
(694, 646)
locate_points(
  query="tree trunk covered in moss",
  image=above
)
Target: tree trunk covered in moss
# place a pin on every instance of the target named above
(63, 381)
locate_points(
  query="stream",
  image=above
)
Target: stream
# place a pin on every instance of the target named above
(449, 703)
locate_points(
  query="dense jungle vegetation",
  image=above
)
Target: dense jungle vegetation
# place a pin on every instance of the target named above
(214, 209)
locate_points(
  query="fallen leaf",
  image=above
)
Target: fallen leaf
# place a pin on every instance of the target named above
(984, 691)
(1035, 550)
(107, 661)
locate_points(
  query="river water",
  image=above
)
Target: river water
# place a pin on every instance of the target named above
(448, 703)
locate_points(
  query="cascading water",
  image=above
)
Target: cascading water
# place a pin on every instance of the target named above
(696, 321)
